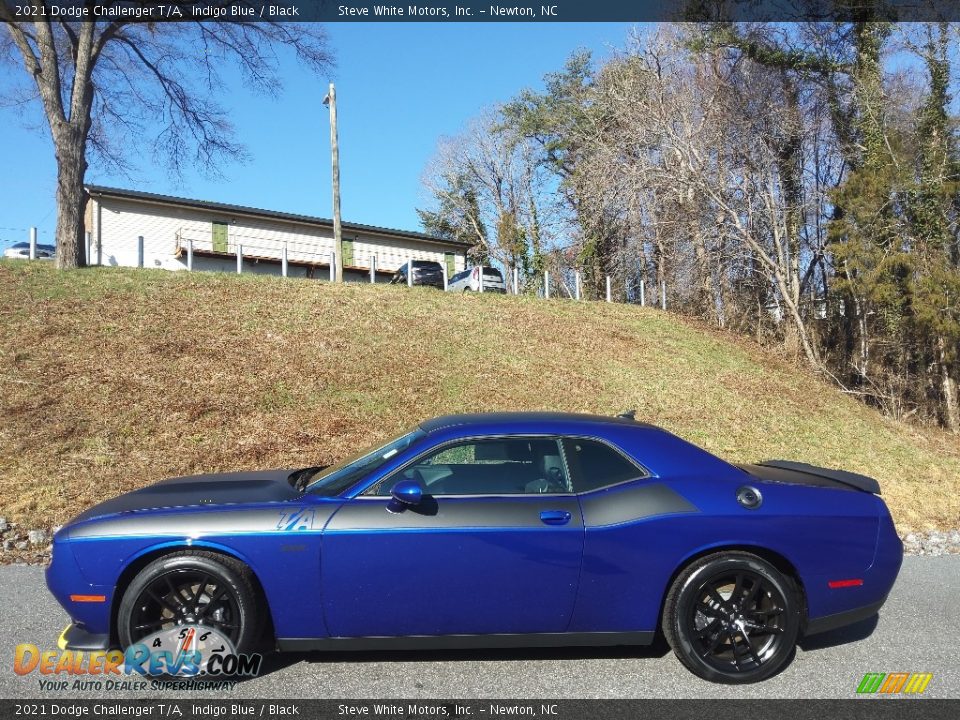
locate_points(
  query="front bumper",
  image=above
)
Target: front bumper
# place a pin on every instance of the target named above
(76, 637)
(87, 605)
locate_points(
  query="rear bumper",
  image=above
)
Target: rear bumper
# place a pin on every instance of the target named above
(838, 620)
(428, 280)
(837, 606)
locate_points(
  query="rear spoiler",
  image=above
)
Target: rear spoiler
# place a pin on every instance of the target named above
(861, 482)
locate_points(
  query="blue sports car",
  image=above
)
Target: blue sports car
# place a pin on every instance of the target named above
(491, 530)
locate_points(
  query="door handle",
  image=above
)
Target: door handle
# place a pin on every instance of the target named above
(555, 517)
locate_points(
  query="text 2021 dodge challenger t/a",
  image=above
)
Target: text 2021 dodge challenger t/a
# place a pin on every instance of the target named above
(491, 530)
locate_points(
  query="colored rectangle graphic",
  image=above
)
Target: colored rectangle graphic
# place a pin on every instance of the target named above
(891, 683)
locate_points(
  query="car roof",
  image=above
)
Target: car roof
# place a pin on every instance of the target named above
(527, 421)
(25, 245)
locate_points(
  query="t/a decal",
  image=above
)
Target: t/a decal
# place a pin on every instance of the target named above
(293, 520)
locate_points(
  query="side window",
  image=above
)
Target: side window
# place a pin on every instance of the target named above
(498, 466)
(596, 465)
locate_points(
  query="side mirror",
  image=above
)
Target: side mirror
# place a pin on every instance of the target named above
(407, 493)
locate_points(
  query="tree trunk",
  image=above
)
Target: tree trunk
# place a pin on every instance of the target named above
(703, 288)
(72, 165)
(951, 407)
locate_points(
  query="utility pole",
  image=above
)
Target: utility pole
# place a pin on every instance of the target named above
(331, 101)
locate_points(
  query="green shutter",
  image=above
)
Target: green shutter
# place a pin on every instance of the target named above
(451, 264)
(347, 252)
(219, 232)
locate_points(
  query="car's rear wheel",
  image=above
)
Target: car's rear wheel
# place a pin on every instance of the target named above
(732, 618)
(192, 587)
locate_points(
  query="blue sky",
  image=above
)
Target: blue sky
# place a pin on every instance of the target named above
(400, 87)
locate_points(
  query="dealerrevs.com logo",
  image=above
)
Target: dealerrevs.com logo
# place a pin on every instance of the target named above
(183, 652)
(894, 683)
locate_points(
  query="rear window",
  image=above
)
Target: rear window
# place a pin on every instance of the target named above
(595, 465)
(426, 265)
(492, 273)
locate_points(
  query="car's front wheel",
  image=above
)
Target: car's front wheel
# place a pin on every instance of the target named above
(192, 587)
(732, 618)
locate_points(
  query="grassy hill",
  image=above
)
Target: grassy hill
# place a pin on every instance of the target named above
(111, 379)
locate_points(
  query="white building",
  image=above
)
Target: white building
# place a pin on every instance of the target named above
(177, 231)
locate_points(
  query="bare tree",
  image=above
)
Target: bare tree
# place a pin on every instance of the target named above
(710, 152)
(489, 189)
(107, 86)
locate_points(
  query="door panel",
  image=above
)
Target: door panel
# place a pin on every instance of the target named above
(348, 260)
(219, 235)
(455, 565)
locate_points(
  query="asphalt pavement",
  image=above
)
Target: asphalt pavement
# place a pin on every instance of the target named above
(918, 630)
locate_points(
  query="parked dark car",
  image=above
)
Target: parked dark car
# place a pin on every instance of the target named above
(425, 272)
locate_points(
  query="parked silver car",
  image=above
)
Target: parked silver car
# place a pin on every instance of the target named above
(21, 250)
(469, 281)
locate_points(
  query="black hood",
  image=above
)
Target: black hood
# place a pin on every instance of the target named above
(201, 490)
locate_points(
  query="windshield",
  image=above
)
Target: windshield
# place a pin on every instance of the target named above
(332, 481)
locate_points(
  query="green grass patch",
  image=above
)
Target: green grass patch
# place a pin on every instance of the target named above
(115, 378)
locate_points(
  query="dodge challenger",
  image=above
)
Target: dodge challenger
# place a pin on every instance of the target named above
(491, 530)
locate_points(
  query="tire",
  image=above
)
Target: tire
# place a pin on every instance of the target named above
(724, 640)
(227, 583)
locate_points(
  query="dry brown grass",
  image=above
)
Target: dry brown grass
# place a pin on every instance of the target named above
(112, 379)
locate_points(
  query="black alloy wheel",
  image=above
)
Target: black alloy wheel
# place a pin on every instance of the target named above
(732, 618)
(191, 588)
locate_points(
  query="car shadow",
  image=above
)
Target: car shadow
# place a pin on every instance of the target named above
(276, 661)
(841, 636)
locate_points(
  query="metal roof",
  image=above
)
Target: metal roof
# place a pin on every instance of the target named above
(529, 420)
(157, 199)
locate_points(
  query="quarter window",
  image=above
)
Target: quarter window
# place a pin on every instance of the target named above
(595, 465)
(496, 466)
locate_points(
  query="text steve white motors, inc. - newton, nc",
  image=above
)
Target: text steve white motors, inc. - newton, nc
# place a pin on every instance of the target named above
(457, 11)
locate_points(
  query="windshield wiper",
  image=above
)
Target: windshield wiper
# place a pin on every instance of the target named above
(299, 479)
